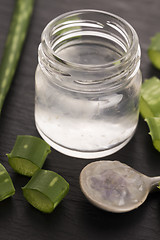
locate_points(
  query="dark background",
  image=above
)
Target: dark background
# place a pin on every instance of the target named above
(75, 218)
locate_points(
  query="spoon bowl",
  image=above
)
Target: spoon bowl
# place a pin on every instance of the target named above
(115, 186)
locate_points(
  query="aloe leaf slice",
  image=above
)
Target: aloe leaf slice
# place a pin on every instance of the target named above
(28, 154)
(45, 190)
(6, 185)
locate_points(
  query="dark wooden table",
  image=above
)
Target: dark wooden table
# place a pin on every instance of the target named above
(75, 218)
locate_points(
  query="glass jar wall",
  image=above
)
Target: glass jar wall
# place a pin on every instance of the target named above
(88, 83)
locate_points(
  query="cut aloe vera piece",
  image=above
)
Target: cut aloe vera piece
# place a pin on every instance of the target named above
(6, 186)
(154, 127)
(28, 154)
(45, 190)
(150, 98)
(154, 50)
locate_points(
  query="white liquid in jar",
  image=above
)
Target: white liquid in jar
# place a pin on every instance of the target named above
(85, 125)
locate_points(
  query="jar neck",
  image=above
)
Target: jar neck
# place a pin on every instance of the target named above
(116, 35)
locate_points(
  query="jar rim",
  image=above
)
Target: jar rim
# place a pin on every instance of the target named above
(133, 48)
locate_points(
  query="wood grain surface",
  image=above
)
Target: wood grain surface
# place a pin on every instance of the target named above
(75, 218)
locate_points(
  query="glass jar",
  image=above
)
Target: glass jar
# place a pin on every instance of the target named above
(88, 83)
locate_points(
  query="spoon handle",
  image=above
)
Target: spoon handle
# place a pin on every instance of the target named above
(155, 182)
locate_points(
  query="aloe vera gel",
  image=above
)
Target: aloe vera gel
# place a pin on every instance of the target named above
(88, 83)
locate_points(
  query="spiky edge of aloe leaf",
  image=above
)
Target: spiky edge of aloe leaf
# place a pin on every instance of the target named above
(150, 98)
(154, 127)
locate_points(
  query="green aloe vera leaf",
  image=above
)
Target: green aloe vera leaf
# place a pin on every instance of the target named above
(45, 190)
(14, 43)
(150, 98)
(6, 186)
(28, 154)
(154, 51)
(154, 127)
